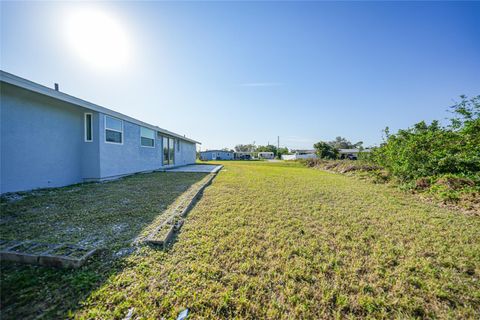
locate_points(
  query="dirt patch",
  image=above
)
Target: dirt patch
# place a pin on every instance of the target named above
(455, 183)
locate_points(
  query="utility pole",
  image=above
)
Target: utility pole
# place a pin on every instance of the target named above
(278, 142)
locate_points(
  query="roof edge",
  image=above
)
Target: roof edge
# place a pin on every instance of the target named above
(41, 89)
(216, 150)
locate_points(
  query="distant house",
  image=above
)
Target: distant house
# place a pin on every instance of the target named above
(300, 154)
(216, 155)
(52, 139)
(240, 155)
(266, 155)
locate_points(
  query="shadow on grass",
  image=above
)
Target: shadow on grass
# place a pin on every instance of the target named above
(191, 206)
(108, 216)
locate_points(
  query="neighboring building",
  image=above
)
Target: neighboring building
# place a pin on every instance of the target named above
(51, 139)
(244, 155)
(351, 154)
(304, 152)
(310, 154)
(300, 154)
(216, 155)
(266, 155)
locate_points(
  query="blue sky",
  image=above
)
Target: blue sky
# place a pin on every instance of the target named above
(228, 73)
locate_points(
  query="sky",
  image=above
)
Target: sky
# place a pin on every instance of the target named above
(228, 73)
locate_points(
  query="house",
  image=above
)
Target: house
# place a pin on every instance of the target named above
(300, 154)
(216, 155)
(51, 139)
(240, 155)
(266, 155)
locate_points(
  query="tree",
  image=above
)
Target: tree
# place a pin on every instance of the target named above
(277, 152)
(245, 148)
(325, 151)
(267, 148)
(343, 143)
(282, 151)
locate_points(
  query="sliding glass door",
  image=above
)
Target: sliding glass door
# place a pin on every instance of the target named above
(171, 149)
(168, 151)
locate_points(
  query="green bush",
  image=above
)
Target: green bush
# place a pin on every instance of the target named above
(434, 150)
(325, 151)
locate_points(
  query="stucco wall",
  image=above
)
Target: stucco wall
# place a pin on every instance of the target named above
(91, 150)
(41, 141)
(130, 156)
(220, 155)
(187, 154)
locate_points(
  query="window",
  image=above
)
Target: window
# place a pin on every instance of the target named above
(113, 130)
(168, 151)
(147, 137)
(88, 127)
(178, 145)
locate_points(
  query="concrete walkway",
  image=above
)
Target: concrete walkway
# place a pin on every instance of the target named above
(206, 168)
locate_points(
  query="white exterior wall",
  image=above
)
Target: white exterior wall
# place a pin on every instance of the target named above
(266, 155)
(298, 156)
(187, 153)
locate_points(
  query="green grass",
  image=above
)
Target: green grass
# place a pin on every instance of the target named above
(277, 240)
(457, 191)
(108, 216)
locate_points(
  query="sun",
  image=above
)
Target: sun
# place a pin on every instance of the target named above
(97, 38)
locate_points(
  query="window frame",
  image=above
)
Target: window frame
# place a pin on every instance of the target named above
(85, 132)
(153, 139)
(105, 129)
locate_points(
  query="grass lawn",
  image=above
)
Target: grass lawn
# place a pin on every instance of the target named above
(108, 216)
(275, 240)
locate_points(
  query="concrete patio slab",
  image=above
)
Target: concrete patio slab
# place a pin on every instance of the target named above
(205, 168)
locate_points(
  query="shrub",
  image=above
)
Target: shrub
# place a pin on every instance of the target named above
(325, 151)
(434, 150)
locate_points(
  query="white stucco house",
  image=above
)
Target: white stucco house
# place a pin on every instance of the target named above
(51, 139)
